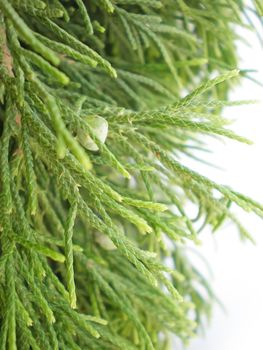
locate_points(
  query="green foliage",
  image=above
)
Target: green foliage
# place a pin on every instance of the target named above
(92, 243)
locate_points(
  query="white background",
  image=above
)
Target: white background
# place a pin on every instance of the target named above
(238, 267)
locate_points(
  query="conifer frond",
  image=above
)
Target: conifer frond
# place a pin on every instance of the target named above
(94, 193)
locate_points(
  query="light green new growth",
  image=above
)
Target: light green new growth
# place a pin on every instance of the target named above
(92, 242)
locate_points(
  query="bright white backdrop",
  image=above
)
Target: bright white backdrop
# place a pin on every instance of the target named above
(238, 267)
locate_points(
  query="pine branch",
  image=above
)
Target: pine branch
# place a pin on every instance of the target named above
(94, 195)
